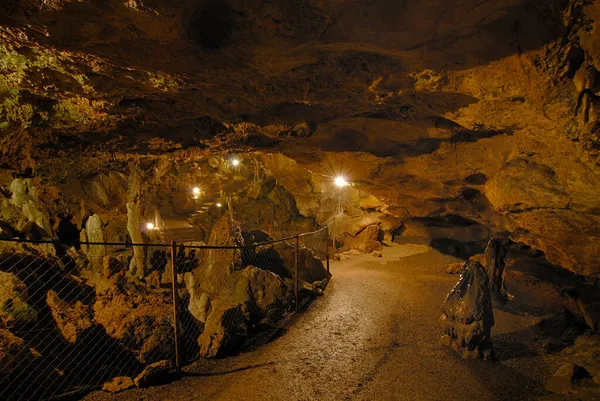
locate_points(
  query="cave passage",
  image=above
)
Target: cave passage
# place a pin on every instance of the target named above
(374, 335)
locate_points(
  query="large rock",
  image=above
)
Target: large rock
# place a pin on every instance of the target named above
(218, 264)
(118, 384)
(25, 373)
(72, 318)
(14, 298)
(567, 379)
(365, 240)
(249, 297)
(524, 184)
(569, 238)
(468, 317)
(279, 258)
(141, 324)
(153, 374)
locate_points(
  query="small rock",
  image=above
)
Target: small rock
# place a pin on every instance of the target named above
(155, 373)
(455, 268)
(353, 252)
(377, 254)
(568, 376)
(118, 384)
(341, 256)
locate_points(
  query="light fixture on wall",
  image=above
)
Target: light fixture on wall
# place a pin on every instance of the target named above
(235, 162)
(218, 204)
(340, 181)
(196, 191)
(150, 226)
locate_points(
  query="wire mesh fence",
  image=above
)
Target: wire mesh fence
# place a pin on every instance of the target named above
(73, 319)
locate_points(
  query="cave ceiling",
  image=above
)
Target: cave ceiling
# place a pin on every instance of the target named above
(436, 107)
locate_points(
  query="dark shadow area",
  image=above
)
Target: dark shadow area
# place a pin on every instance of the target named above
(211, 24)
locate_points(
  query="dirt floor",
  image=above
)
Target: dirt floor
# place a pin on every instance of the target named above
(372, 336)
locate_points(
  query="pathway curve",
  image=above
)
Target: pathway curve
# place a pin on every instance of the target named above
(372, 336)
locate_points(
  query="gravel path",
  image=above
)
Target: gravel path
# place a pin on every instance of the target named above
(372, 336)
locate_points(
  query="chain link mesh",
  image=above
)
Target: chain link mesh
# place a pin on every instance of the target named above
(73, 322)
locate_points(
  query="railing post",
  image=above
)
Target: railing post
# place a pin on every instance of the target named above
(175, 299)
(296, 273)
(327, 246)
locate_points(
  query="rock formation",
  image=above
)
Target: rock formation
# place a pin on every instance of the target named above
(468, 317)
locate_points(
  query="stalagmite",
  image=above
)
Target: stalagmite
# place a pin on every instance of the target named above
(468, 317)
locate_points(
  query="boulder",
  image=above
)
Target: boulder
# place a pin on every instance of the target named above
(14, 306)
(154, 374)
(25, 372)
(279, 258)
(468, 317)
(72, 319)
(567, 379)
(249, 297)
(118, 384)
(366, 240)
(141, 324)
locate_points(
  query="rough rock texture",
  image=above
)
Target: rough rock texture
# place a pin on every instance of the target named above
(218, 264)
(567, 378)
(468, 317)
(431, 110)
(118, 384)
(14, 306)
(72, 319)
(250, 296)
(140, 323)
(366, 240)
(153, 374)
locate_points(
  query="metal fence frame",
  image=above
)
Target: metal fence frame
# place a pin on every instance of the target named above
(172, 254)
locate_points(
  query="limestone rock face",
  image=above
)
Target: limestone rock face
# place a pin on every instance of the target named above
(14, 307)
(468, 317)
(140, 324)
(250, 296)
(72, 319)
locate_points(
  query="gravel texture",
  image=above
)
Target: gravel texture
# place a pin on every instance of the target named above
(372, 336)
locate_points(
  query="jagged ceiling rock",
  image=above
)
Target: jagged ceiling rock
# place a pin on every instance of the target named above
(441, 108)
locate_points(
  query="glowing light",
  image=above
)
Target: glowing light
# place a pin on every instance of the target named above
(150, 226)
(219, 204)
(196, 191)
(340, 181)
(235, 162)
